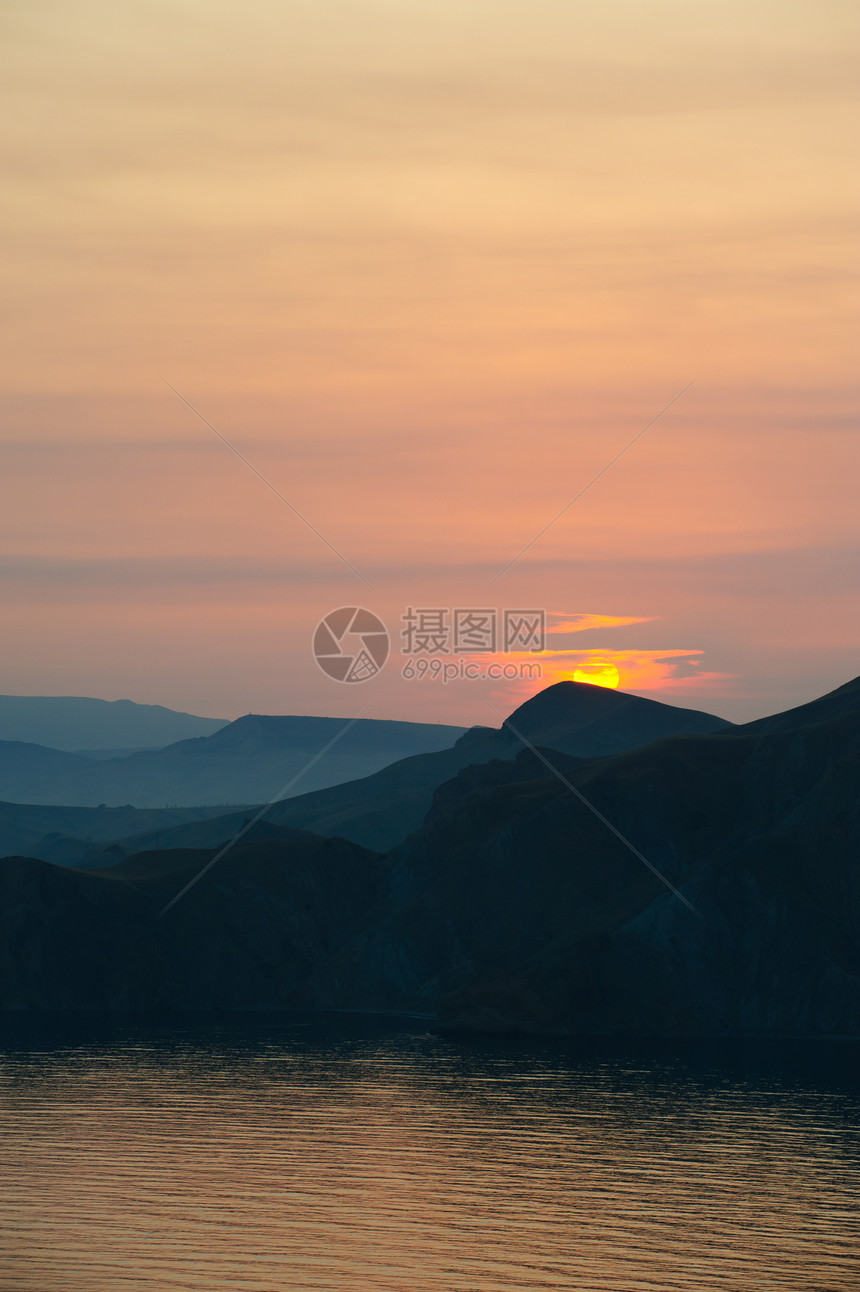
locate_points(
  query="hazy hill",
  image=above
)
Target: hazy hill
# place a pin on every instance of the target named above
(23, 765)
(249, 760)
(378, 811)
(78, 724)
(64, 834)
(512, 908)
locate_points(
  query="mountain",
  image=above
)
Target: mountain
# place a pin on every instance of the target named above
(74, 939)
(835, 705)
(77, 724)
(23, 765)
(586, 720)
(249, 760)
(64, 834)
(379, 811)
(513, 908)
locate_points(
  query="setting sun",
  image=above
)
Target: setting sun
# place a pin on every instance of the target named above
(605, 675)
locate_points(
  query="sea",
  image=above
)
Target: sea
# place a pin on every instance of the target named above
(271, 1153)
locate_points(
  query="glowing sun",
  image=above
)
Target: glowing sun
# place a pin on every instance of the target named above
(598, 675)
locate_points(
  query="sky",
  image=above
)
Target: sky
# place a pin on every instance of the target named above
(427, 268)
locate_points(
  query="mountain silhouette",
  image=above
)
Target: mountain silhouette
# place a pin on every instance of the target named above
(379, 811)
(579, 718)
(512, 908)
(78, 724)
(249, 760)
(65, 834)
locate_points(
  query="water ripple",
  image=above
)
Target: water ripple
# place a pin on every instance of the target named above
(274, 1156)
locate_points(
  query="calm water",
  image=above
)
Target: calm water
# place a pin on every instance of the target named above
(279, 1155)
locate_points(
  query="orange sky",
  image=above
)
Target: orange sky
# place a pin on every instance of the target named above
(429, 267)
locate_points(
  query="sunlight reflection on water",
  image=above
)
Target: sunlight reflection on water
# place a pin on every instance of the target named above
(272, 1155)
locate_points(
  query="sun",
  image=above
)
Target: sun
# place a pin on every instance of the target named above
(598, 675)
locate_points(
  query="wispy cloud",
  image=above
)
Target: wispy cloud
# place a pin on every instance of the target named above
(559, 621)
(668, 670)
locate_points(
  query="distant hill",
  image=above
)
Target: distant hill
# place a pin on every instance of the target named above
(64, 834)
(245, 761)
(512, 908)
(378, 811)
(77, 724)
(22, 765)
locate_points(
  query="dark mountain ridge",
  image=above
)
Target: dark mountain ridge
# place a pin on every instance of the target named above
(513, 907)
(550, 922)
(63, 834)
(578, 718)
(841, 703)
(380, 810)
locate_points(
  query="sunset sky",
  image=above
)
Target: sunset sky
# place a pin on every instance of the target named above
(429, 267)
